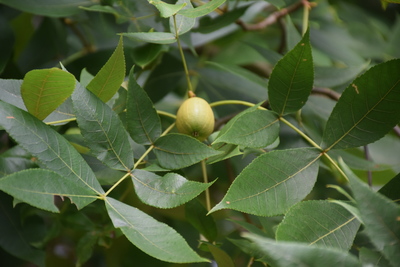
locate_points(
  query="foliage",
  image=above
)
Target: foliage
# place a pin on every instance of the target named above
(302, 167)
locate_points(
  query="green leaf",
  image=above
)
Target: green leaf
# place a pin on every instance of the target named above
(380, 217)
(110, 77)
(152, 237)
(37, 187)
(143, 122)
(44, 90)
(169, 191)
(391, 189)
(183, 24)
(332, 77)
(273, 182)
(372, 258)
(52, 150)
(176, 151)
(146, 54)
(202, 10)
(167, 10)
(152, 37)
(256, 129)
(292, 79)
(196, 215)
(50, 8)
(227, 151)
(14, 238)
(221, 257)
(319, 222)
(291, 254)
(103, 131)
(367, 110)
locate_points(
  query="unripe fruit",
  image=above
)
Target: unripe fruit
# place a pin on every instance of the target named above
(196, 118)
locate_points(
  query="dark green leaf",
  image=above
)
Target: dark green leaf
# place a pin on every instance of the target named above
(176, 151)
(38, 187)
(319, 222)
(227, 151)
(146, 54)
(152, 37)
(291, 254)
(103, 130)
(110, 77)
(256, 129)
(220, 256)
(380, 217)
(367, 109)
(143, 122)
(59, 8)
(154, 238)
(165, 192)
(52, 150)
(196, 215)
(373, 258)
(44, 90)
(273, 182)
(292, 78)
(201, 10)
(391, 189)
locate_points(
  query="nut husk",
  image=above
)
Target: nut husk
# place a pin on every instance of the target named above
(195, 118)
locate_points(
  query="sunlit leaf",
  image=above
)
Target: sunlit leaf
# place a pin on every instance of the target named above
(183, 24)
(176, 151)
(169, 191)
(143, 122)
(110, 77)
(154, 238)
(167, 10)
(367, 110)
(51, 149)
(44, 90)
(152, 37)
(292, 78)
(103, 130)
(319, 222)
(273, 182)
(38, 187)
(202, 10)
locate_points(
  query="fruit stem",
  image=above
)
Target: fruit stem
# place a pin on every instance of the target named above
(205, 180)
(190, 89)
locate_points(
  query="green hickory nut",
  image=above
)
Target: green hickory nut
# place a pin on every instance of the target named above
(195, 118)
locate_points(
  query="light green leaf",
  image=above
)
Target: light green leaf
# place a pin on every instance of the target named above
(52, 150)
(183, 24)
(37, 187)
(59, 8)
(152, 37)
(291, 80)
(110, 77)
(292, 254)
(367, 110)
(46, 89)
(176, 151)
(273, 182)
(202, 10)
(143, 122)
(332, 77)
(319, 222)
(103, 130)
(256, 129)
(152, 237)
(221, 257)
(167, 10)
(380, 217)
(165, 192)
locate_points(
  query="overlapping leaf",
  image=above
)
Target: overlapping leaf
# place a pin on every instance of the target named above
(154, 238)
(38, 187)
(176, 151)
(152, 37)
(196, 215)
(273, 182)
(167, 10)
(169, 191)
(103, 130)
(255, 129)
(44, 90)
(52, 150)
(380, 217)
(367, 110)
(292, 79)
(202, 10)
(110, 77)
(319, 222)
(292, 254)
(183, 24)
(143, 122)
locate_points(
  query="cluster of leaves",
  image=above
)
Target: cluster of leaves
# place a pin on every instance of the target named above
(114, 154)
